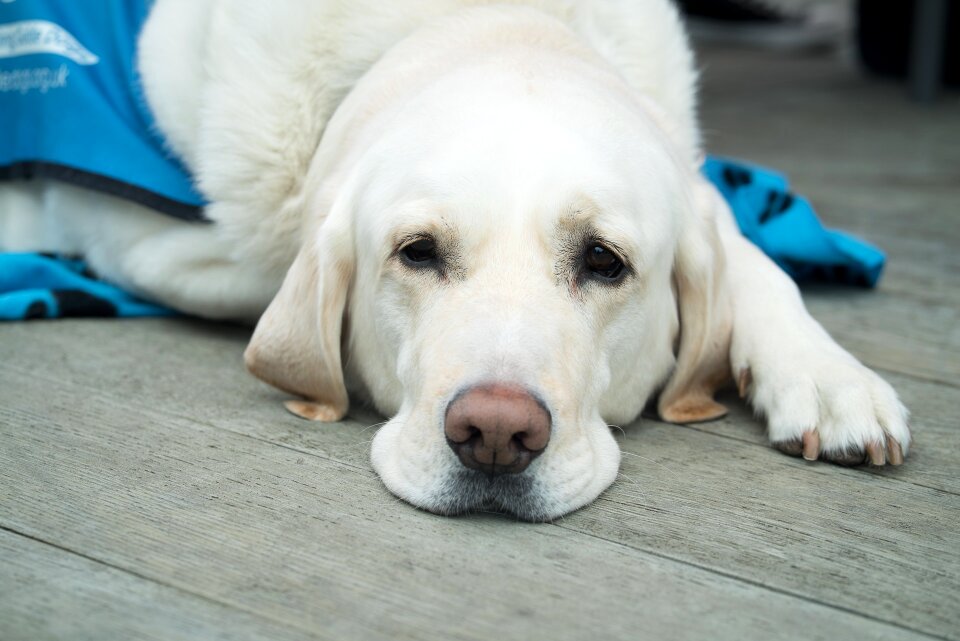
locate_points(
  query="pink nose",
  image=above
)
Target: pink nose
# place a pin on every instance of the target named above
(497, 429)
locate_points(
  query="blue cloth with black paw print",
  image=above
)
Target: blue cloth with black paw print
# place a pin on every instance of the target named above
(52, 286)
(786, 228)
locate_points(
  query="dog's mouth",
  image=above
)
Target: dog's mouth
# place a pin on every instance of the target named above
(430, 475)
(469, 491)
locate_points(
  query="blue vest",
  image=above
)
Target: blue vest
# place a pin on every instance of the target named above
(71, 105)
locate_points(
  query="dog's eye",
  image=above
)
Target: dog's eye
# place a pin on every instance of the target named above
(420, 253)
(603, 263)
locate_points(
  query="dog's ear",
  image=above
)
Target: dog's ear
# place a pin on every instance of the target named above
(296, 345)
(705, 318)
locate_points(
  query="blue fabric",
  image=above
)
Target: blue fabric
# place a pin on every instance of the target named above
(786, 228)
(71, 105)
(47, 286)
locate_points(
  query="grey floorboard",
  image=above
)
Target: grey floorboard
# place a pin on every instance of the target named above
(50, 593)
(320, 545)
(916, 337)
(740, 509)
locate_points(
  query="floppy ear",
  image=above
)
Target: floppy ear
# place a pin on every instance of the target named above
(296, 345)
(705, 319)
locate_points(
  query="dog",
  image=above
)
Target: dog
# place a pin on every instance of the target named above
(486, 219)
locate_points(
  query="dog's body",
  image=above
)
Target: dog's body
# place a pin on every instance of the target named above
(493, 212)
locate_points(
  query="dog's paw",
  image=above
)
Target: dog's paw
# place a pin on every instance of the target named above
(827, 405)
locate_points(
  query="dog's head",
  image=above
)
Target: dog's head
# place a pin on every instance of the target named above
(509, 258)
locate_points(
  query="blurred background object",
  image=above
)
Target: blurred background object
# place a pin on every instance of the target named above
(783, 25)
(912, 39)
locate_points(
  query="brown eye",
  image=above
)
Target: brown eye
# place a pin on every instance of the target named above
(602, 263)
(420, 253)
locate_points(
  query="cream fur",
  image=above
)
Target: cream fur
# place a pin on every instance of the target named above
(331, 130)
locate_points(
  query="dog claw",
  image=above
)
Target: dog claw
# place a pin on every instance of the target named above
(811, 445)
(744, 380)
(875, 452)
(894, 452)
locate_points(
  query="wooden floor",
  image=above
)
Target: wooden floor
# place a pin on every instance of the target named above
(149, 488)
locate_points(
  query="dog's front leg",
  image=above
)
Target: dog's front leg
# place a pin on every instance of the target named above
(817, 399)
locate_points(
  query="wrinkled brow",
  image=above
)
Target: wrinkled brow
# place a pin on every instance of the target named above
(416, 227)
(582, 223)
(436, 227)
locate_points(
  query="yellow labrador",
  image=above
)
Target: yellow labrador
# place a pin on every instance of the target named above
(496, 231)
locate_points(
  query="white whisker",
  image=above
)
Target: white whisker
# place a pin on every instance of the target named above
(645, 458)
(619, 428)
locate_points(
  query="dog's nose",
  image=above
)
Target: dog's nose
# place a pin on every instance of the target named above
(497, 429)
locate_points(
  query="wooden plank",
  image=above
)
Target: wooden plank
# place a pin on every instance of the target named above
(810, 114)
(319, 545)
(829, 534)
(48, 593)
(834, 534)
(915, 337)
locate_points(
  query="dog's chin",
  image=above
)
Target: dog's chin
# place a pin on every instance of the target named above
(520, 496)
(447, 488)
(469, 491)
